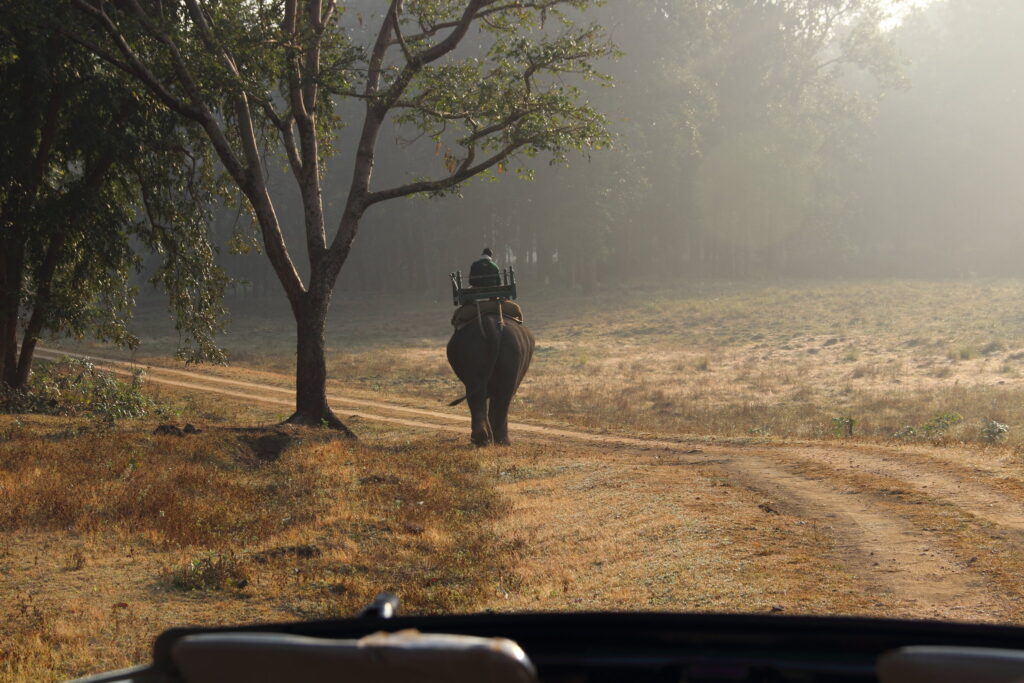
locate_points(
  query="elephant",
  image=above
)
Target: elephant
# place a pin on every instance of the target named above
(490, 355)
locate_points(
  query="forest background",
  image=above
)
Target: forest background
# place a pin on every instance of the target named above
(768, 139)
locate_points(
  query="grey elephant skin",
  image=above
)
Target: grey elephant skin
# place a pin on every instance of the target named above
(491, 359)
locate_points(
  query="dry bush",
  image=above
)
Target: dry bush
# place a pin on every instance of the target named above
(866, 370)
(212, 571)
(198, 490)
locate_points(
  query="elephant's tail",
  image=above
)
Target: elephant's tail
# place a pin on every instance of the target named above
(459, 400)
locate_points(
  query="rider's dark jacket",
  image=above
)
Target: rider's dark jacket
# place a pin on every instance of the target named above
(484, 273)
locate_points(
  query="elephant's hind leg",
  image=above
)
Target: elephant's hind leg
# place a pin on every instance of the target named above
(497, 416)
(482, 434)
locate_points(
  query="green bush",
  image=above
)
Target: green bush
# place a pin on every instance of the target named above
(938, 425)
(842, 426)
(211, 572)
(74, 387)
(935, 428)
(905, 432)
(994, 432)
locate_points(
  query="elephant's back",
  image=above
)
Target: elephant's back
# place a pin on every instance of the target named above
(514, 339)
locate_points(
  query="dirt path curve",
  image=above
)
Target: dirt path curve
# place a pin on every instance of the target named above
(973, 489)
(891, 554)
(886, 552)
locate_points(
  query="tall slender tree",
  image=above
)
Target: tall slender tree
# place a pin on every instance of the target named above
(484, 81)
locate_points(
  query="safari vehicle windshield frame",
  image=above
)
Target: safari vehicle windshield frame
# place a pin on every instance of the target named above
(652, 646)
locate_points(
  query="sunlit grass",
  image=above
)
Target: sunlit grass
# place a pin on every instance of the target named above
(108, 537)
(718, 359)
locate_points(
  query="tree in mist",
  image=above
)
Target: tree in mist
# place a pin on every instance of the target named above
(482, 81)
(91, 178)
(790, 87)
(941, 183)
(740, 127)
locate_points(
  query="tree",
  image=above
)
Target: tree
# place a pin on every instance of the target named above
(941, 181)
(265, 77)
(763, 106)
(79, 200)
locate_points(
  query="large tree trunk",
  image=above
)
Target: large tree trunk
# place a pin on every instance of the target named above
(40, 308)
(311, 368)
(11, 273)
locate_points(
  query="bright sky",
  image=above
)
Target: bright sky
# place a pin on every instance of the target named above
(899, 8)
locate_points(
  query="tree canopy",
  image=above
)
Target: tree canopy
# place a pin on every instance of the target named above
(91, 180)
(739, 129)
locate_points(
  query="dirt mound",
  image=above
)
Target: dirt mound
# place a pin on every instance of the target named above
(258, 445)
(266, 445)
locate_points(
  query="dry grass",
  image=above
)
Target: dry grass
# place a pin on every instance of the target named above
(725, 360)
(108, 538)
(659, 532)
(784, 361)
(174, 492)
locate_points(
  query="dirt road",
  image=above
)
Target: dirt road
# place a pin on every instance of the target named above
(913, 531)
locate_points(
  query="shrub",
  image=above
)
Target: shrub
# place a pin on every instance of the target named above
(842, 426)
(993, 347)
(906, 432)
(74, 387)
(962, 353)
(211, 572)
(994, 432)
(938, 425)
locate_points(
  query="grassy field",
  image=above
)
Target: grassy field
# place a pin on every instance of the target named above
(935, 361)
(108, 535)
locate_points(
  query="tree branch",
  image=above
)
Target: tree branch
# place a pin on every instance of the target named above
(398, 31)
(285, 129)
(380, 47)
(461, 174)
(303, 76)
(432, 30)
(248, 176)
(134, 64)
(311, 79)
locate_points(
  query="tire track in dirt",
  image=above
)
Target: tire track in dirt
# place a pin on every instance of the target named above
(202, 382)
(883, 549)
(937, 480)
(890, 553)
(894, 558)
